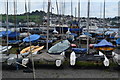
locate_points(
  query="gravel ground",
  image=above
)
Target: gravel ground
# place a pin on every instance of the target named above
(50, 71)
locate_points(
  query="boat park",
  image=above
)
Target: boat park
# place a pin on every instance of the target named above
(60, 47)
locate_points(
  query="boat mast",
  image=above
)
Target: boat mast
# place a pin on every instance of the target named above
(7, 25)
(104, 19)
(119, 19)
(28, 17)
(43, 5)
(79, 22)
(75, 12)
(57, 8)
(30, 41)
(88, 21)
(78, 10)
(15, 25)
(100, 11)
(59, 17)
(48, 16)
(58, 14)
(15, 14)
(71, 14)
(63, 11)
(71, 9)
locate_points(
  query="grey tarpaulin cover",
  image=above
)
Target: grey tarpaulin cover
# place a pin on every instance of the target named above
(60, 47)
(47, 57)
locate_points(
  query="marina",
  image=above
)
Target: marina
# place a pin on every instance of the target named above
(59, 45)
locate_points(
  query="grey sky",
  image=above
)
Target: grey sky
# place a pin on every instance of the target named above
(95, 10)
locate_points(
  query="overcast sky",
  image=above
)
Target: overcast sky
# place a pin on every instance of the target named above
(96, 7)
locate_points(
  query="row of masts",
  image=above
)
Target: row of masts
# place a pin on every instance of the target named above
(27, 10)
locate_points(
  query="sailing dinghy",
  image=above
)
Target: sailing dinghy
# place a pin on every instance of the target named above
(59, 47)
(45, 57)
(104, 45)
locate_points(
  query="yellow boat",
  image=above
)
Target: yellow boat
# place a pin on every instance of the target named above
(32, 49)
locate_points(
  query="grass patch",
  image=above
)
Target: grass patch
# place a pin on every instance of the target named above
(88, 63)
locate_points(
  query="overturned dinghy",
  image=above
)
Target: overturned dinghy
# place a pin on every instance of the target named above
(45, 57)
(59, 47)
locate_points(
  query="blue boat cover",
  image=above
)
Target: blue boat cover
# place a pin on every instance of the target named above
(118, 41)
(100, 36)
(79, 49)
(14, 41)
(42, 36)
(31, 38)
(4, 33)
(104, 43)
(13, 34)
(75, 29)
(112, 37)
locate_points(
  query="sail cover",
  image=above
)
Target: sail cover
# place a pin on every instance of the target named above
(31, 38)
(60, 47)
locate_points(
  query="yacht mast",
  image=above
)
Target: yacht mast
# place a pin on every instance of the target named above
(57, 8)
(29, 6)
(104, 19)
(48, 16)
(75, 12)
(88, 21)
(78, 10)
(28, 17)
(7, 25)
(71, 9)
(15, 15)
(79, 22)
